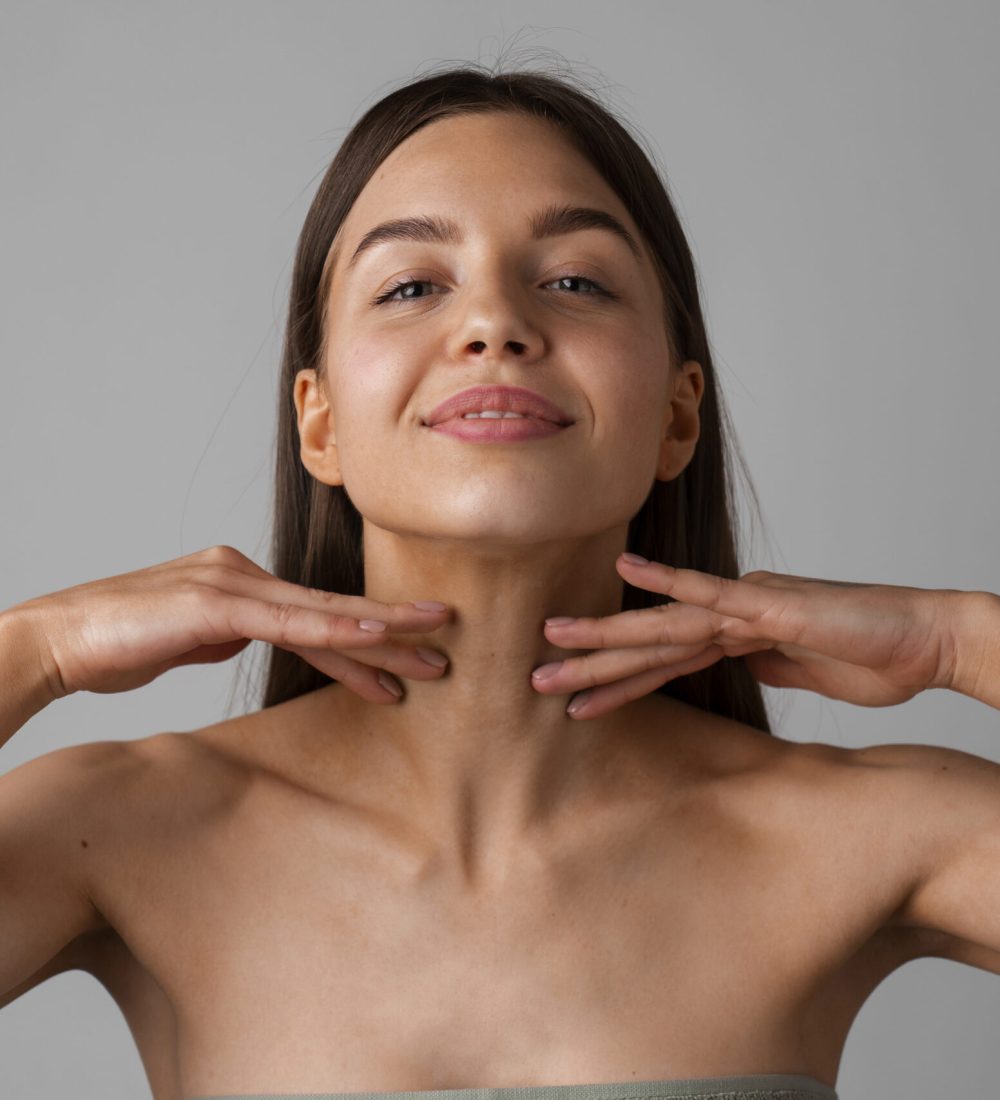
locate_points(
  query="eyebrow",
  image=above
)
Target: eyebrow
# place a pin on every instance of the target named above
(552, 221)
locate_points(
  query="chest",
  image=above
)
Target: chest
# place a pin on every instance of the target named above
(305, 956)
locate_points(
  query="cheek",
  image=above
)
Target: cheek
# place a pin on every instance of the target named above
(629, 385)
(373, 379)
(366, 380)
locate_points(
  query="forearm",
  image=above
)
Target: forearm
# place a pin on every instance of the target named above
(977, 647)
(25, 688)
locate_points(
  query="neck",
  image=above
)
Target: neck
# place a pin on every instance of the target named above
(478, 757)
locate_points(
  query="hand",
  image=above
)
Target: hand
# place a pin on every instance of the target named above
(870, 644)
(122, 632)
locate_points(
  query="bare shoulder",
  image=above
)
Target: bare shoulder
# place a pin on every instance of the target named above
(876, 817)
(898, 800)
(167, 787)
(56, 797)
(943, 804)
(927, 800)
(925, 822)
(50, 807)
(113, 787)
(118, 811)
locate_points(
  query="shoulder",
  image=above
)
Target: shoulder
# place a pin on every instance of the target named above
(918, 800)
(934, 799)
(56, 825)
(927, 818)
(51, 796)
(97, 806)
(105, 815)
(117, 782)
(882, 814)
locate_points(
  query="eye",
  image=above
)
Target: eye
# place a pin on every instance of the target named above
(577, 278)
(401, 285)
(573, 277)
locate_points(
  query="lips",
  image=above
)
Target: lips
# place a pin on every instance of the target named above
(499, 399)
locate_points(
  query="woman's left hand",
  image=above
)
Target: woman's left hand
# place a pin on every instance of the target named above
(870, 644)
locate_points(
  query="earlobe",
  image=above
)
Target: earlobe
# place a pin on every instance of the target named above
(317, 438)
(682, 424)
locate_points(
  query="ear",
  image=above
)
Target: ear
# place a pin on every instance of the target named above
(317, 437)
(681, 424)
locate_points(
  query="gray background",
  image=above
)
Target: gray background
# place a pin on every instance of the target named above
(836, 169)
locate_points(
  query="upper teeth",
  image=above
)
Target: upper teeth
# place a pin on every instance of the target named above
(492, 414)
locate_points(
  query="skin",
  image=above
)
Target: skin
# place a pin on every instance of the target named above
(470, 888)
(504, 535)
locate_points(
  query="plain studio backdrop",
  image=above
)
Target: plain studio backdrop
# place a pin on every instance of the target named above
(836, 169)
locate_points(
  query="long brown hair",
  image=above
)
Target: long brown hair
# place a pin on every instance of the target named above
(689, 521)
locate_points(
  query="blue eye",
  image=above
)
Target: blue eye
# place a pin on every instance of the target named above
(403, 284)
(598, 289)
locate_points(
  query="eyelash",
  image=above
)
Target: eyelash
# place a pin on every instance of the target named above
(383, 299)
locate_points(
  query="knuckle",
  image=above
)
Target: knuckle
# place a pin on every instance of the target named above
(720, 584)
(342, 633)
(198, 596)
(587, 673)
(284, 612)
(284, 615)
(665, 625)
(212, 574)
(222, 554)
(336, 627)
(660, 655)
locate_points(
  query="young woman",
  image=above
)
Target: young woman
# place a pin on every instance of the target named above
(497, 390)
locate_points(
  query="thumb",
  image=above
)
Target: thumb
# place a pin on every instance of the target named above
(210, 654)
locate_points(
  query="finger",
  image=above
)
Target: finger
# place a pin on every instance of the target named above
(209, 654)
(359, 668)
(402, 660)
(369, 683)
(663, 624)
(839, 679)
(776, 670)
(282, 624)
(601, 700)
(252, 580)
(607, 665)
(740, 598)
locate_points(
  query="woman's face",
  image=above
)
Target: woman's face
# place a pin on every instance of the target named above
(495, 306)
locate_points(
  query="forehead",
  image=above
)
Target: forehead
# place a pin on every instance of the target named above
(492, 164)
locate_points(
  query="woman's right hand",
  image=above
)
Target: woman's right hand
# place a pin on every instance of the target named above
(122, 632)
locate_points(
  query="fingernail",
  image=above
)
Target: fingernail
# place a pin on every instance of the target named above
(543, 672)
(560, 620)
(432, 657)
(374, 625)
(389, 684)
(635, 559)
(430, 605)
(578, 703)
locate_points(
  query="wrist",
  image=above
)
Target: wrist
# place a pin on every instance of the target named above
(975, 629)
(28, 673)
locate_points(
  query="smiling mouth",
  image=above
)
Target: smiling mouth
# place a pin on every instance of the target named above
(497, 429)
(488, 414)
(497, 402)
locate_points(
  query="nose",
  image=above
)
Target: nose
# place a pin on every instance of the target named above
(517, 346)
(495, 321)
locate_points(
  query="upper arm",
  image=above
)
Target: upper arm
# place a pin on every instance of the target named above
(949, 802)
(46, 913)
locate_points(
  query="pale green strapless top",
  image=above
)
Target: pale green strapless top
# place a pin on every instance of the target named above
(758, 1086)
